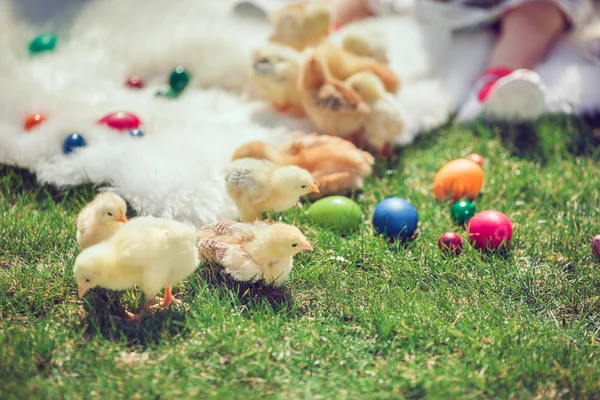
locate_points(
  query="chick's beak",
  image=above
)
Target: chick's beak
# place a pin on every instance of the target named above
(82, 290)
(314, 189)
(307, 246)
(122, 217)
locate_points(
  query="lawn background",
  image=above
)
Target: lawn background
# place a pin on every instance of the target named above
(359, 318)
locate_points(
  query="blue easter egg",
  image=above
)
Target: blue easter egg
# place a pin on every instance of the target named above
(136, 133)
(396, 218)
(73, 141)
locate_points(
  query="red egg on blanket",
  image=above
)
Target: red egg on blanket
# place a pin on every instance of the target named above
(33, 120)
(121, 120)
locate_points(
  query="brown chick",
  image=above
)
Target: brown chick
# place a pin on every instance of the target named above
(252, 252)
(333, 107)
(342, 64)
(337, 165)
(301, 25)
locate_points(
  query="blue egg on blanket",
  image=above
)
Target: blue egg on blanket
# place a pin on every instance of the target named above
(72, 141)
(136, 133)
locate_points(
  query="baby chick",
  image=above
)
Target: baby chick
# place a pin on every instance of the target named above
(333, 107)
(367, 42)
(342, 64)
(100, 219)
(275, 71)
(152, 253)
(256, 186)
(251, 252)
(386, 120)
(301, 25)
(337, 165)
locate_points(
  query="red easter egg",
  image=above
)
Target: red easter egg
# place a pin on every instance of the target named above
(478, 158)
(450, 242)
(135, 82)
(596, 246)
(121, 120)
(33, 120)
(490, 230)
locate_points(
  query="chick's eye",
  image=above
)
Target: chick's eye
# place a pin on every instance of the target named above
(87, 281)
(111, 214)
(295, 244)
(303, 186)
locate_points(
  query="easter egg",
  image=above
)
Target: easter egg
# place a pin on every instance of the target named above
(121, 120)
(135, 82)
(450, 243)
(490, 230)
(460, 178)
(179, 78)
(43, 42)
(396, 218)
(136, 133)
(478, 158)
(33, 120)
(337, 213)
(596, 246)
(73, 141)
(462, 211)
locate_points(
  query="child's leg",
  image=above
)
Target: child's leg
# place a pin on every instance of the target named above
(527, 34)
(507, 89)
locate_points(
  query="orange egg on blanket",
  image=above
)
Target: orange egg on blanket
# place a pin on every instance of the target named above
(458, 179)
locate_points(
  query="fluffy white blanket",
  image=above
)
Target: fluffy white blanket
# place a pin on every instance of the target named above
(175, 169)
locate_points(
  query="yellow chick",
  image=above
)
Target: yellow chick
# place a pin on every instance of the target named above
(256, 186)
(152, 253)
(100, 219)
(366, 42)
(252, 252)
(275, 71)
(301, 25)
(386, 120)
(333, 107)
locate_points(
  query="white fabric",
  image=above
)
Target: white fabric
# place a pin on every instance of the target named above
(175, 170)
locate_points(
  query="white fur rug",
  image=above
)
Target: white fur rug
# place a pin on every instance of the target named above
(175, 169)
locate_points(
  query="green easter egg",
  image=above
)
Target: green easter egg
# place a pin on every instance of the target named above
(462, 211)
(338, 213)
(43, 42)
(179, 79)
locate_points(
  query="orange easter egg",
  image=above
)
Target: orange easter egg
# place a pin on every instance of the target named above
(458, 179)
(33, 120)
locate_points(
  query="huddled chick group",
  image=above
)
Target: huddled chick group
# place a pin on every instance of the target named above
(345, 91)
(158, 253)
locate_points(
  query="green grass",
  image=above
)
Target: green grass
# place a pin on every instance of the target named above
(359, 318)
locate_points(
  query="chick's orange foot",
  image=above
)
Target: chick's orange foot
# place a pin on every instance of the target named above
(166, 301)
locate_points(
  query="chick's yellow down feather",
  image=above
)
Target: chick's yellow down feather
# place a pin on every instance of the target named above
(333, 107)
(301, 25)
(152, 253)
(275, 70)
(256, 186)
(386, 120)
(366, 42)
(100, 219)
(252, 252)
